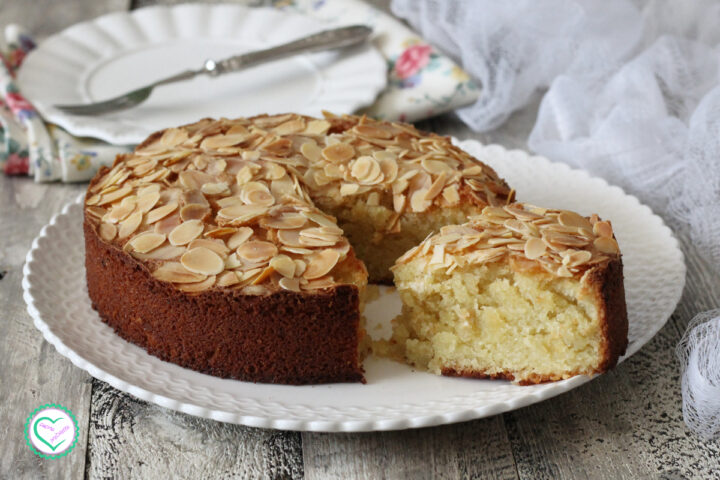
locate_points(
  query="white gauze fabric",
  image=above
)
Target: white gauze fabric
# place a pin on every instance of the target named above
(633, 95)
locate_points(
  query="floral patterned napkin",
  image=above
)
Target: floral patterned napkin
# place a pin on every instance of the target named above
(422, 82)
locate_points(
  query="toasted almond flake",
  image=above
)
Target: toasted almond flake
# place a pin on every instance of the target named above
(227, 279)
(217, 246)
(279, 147)
(248, 274)
(146, 241)
(130, 224)
(373, 200)
(338, 153)
(165, 252)
(323, 282)
(232, 261)
(487, 255)
(119, 212)
(219, 141)
(577, 258)
(436, 167)
(317, 127)
(418, 201)
(147, 201)
(256, 193)
(238, 238)
(535, 248)
(311, 151)
(115, 195)
(221, 232)
(285, 221)
(292, 284)
(572, 219)
(242, 212)
(284, 265)
(173, 137)
(373, 131)
(321, 263)
(107, 231)
(291, 126)
(436, 187)
(257, 251)
(197, 287)
(606, 245)
(97, 212)
(438, 255)
(160, 212)
(603, 229)
(167, 224)
(564, 239)
(93, 200)
(347, 189)
(215, 188)
(186, 232)
(175, 272)
(194, 211)
(203, 261)
(264, 275)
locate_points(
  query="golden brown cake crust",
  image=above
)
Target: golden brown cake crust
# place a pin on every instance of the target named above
(285, 337)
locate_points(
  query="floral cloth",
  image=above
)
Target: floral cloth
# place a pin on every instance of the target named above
(421, 83)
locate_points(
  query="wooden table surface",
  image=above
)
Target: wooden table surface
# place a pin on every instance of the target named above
(625, 424)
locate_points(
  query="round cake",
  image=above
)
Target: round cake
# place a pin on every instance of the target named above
(241, 248)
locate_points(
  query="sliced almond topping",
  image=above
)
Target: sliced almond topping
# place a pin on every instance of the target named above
(317, 127)
(167, 224)
(256, 193)
(217, 246)
(320, 263)
(606, 245)
(338, 153)
(285, 221)
(130, 224)
(147, 241)
(219, 188)
(147, 201)
(564, 239)
(572, 219)
(175, 272)
(119, 212)
(232, 261)
(603, 229)
(221, 232)
(521, 214)
(161, 212)
(436, 187)
(203, 261)
(227, 279)
(219, 141)
(279, 147)
(284, 265)
(242, 213)
(373, 131)
(577, 258)
(186, 232)
(418, 201)
(347, 189)
(197, 287)
(238, 238)
(323, 282)
(291, 126)
(436, 167)
(535, 248)
(173, 137)
(263, 276)
(292, 284)
(93, 200)
(257, 251)
(107, 231)
(166, 252)
(194, 211)
(311, 151)
(115, 195)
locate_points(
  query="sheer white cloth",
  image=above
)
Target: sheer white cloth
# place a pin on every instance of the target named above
(633, 95)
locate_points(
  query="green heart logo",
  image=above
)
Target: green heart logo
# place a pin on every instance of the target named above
(37, 434)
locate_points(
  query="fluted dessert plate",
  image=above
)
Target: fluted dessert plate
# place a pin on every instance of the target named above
(119, 52)
(395, 396)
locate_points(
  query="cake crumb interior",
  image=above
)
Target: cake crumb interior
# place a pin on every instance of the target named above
(490, 320)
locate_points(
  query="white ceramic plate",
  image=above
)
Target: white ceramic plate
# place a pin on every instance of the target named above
(121, 51)
(395, 396)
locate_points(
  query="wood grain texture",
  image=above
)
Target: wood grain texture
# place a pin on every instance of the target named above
(477, 449)
(131, 439)
(32, 372)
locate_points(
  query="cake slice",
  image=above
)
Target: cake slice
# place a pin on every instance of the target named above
(520, 292)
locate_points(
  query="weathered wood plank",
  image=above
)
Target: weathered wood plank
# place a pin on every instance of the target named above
(32, 372)
(133, 439)
(478, 449)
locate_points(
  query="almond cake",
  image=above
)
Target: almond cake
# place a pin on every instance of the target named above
(241, 248)
(519, 292)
